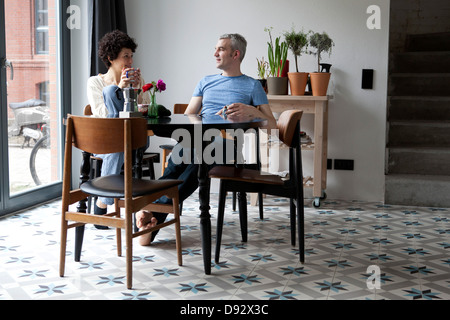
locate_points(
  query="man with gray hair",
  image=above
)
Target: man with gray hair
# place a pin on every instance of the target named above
(243, 95)
(237, 42)
(230, 93)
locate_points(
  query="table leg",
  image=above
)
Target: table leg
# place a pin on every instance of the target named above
(205, 217)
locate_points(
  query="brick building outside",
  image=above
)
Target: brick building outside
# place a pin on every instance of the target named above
(32, 48)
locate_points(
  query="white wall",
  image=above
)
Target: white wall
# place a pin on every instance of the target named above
(176, 43)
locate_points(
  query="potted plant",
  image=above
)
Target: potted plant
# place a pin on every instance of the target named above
(262, 72)
(319, 80)
(298, 43)
(277, 54)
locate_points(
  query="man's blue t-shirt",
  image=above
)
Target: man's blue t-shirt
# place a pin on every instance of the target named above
(218, 91)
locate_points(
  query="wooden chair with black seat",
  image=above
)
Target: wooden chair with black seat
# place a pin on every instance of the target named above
(247, 180)
(101, 136)
(148, 160)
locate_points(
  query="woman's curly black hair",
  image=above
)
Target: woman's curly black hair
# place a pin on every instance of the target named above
(112, 43)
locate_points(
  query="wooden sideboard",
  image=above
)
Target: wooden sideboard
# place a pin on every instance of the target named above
(318, 106)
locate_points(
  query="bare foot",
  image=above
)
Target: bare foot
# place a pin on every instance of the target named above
(101, 205)
(144, 221)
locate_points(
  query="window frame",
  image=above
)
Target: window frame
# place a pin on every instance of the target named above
(41, 30)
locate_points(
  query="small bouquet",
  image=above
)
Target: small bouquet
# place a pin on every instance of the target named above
(159, 86)
(155, 110)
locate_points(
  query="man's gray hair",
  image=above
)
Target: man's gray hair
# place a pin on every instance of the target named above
(238, 42)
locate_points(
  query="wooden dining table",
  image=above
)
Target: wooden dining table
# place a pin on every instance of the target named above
(197, 126)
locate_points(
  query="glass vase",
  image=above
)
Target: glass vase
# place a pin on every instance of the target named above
(153, 108)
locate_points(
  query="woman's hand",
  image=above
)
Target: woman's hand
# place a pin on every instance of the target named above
(130, 77)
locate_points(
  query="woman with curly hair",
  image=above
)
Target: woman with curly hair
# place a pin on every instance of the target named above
(105, 95)
(116, 49)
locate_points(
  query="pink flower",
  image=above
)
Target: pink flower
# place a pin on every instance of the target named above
(161, 86)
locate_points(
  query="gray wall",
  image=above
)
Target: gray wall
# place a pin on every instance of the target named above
(176, 43)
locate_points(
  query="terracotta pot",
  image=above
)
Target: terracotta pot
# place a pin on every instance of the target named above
(319, 83)
(277, 85)
(297, 81)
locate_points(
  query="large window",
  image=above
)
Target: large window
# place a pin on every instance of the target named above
(34, 89)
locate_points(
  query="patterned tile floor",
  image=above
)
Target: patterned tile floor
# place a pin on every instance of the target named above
(355, 250)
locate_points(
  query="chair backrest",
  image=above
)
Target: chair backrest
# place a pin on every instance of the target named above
(179, 108)
(287, 126)
(289, 131)
(87, 110)
(106, 135)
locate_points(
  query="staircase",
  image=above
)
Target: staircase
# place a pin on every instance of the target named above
(418, 146)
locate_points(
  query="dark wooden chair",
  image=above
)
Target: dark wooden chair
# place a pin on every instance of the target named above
(101, 136)
(242, 180)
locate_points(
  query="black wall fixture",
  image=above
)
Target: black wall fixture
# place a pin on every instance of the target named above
(367, 79)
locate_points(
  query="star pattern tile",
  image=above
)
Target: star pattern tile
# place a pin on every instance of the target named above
(354, 250)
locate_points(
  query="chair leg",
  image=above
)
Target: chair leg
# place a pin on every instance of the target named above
(129, 254)
(220, 217)
(292, 219)
(151, 168)
(301, 228)
(177, 205)
(63, 246)
(118, 230)
(234, 200)
(135, 228)
(89, 204)
(91, 176)
(242, 200)
(150, 164)
(96, 167)
(79, 235)
(261, 205)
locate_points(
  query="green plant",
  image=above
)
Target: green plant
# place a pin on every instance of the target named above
(323, 43)
(277, 55)
(297, 42)
(262, 68)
